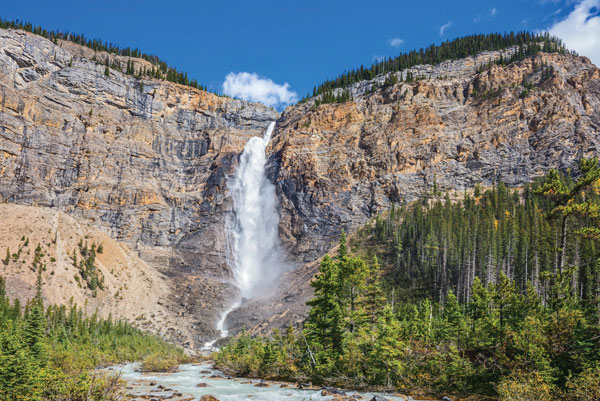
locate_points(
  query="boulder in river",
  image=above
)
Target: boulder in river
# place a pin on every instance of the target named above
(325, 391)
(208, 397)
(200, 385)
(161, 395)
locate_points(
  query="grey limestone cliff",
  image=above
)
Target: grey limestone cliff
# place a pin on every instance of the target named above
(144, 160)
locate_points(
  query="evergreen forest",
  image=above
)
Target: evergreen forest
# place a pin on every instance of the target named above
(50, 353)
(526, 44)
(495, 293)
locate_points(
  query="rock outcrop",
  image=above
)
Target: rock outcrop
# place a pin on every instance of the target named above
(130, 288)
(147, 161)
(336, 166)
(144, 160)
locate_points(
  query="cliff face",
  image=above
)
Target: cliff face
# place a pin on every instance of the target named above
(146, 161)
(337, 165)
(130, 289)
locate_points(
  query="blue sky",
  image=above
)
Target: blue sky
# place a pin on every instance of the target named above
(300, 43)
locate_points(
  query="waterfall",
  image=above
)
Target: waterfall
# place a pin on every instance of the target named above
(252, 228)
(209, 346)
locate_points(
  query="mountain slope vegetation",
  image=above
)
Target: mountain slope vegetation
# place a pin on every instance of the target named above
(50, 353)
(159, 70)
(480, 296)
(527, 44)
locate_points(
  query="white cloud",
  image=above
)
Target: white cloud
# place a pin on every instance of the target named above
(554, 14)
(580, 30)
(490, 15)
(396, 42)
(444, 27)
(254, 88)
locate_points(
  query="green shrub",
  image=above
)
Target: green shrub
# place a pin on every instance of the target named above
(585, 386)
(84, 386)
(525, 386)
(158, 362)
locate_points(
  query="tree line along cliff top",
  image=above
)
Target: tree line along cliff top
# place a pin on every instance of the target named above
(527, 43)
(160, 69)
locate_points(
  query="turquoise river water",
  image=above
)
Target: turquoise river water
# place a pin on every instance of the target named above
(185, 381)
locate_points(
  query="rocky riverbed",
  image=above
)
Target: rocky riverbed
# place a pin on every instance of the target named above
(202, 382)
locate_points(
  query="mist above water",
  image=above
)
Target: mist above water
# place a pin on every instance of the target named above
(253, 227)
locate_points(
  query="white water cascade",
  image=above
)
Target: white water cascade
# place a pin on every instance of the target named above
(210, 345)
(252, 228)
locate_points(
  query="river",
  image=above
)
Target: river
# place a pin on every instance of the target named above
(186, 379)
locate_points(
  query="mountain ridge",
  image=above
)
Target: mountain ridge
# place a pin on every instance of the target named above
(336, 166)
(144, 160)
(148, 161)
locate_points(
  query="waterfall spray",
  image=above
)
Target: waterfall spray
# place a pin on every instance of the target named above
(252, 228)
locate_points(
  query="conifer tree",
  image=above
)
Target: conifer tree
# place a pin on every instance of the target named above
(19, 375)
(564, 197)
(385, 358)
(373, 299)
(35, 324)
(325, 324)
(343, 248)
(453, 318)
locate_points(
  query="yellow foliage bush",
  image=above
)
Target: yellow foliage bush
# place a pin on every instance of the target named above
(157, 362)
(585, 386)
(525, 386)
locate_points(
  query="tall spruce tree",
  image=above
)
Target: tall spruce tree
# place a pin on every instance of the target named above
(325, 323)
(35, 324)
